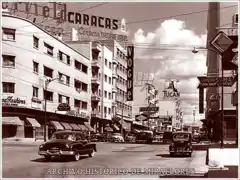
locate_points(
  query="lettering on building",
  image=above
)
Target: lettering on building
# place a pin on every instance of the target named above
(130, 67)
(11, 101)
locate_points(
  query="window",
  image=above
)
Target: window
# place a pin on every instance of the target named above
(77, 85)
(84, 105)
(110, 80)
(8, 61)
(35, 67)
(48, 95)
(105, 77)
(8, 87)
(106, 62)
(105, 110)
(78, 65)
(64, 78)
(109, 95)
(84, 68)
(35, 42)
(110, 65)
(48, 72)
(109, 110)
(63, 99)
(105, 94)
(48, 49)
(8, 34)
(77, 103)
(35, 92)
(64, 57)
(84, 87)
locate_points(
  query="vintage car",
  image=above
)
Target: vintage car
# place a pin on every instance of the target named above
(181, 144)
(69, 144)
(117, 137)
(145, 136)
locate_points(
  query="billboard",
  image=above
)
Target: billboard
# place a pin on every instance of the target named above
(171, 91)
(130, 68)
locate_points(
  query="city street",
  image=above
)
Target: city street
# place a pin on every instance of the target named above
(22, 161)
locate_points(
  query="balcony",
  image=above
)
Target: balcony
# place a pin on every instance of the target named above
(114, 89)
(95, 97)
(96, 63)
(95, 114)
(114, 74)
(96, 46)
(115, 61)
(96, 80)
(114, 104)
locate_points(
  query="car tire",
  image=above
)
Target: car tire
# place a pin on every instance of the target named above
(76, 156)
(190, 155)
(92, 153)
(171, 154)
(47, 157)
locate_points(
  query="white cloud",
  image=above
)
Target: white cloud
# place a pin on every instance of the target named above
(179, 63)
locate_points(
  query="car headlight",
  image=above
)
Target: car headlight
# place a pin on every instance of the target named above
(41, 146)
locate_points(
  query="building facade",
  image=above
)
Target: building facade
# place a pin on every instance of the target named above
(31, 57)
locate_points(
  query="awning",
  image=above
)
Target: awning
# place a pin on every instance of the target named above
(108, 129)
(136, 131)
(75, 126)
(14, 120)
(57, 125)
(83, 127)
(89, 127)
(115, 127)
(33, 122)
(66, 126)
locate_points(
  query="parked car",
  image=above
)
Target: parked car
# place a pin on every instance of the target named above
(130, 138)
(181, 144)
(117, 137)
(196, 137)
(145, 136)
(167, 137)
(70, 144)
(158, 137)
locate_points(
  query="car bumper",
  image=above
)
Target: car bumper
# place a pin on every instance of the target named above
(57, 153)
(183, 151)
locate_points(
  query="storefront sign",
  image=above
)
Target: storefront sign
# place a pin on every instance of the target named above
(36, 103)
(13, 101)
(63, 107)
(201, 100)
(101, 35)
(130, 68)
(149, 109)
(59, 12)
(77, 114)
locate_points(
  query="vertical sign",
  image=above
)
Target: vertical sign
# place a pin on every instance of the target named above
(130, 66)
(201, 100)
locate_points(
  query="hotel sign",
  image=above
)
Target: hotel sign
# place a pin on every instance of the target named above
(130, 68)
(13, 101)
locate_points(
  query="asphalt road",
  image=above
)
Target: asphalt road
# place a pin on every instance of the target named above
(117, 160)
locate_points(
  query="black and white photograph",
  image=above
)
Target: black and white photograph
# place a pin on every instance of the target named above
(119, 89)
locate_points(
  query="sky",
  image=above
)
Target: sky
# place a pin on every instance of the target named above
(151, 38)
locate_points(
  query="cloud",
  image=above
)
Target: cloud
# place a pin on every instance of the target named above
(166, 52)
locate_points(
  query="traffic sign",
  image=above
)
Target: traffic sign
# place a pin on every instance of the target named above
(221, 42)
(215, 81)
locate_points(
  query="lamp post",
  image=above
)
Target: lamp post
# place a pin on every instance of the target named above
(47, 82)
(194, 114)
(194, 51)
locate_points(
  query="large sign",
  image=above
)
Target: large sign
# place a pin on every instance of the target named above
(215, 81)
(130, 68)
(8, 100)
(231, 52)
(201, 100)
(149, 109)
(65, 15)
(63, 107)
(36, 103)
(171, 91)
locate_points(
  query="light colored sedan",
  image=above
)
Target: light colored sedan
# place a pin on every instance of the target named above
(117, 137)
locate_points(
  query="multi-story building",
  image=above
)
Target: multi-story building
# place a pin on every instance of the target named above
(122, 110)
(31, 57)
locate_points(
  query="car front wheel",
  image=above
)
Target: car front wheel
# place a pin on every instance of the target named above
(47, 157)
(76, 156)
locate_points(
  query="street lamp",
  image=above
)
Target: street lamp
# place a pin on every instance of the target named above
(47, 82)
(194, 114)
(222, 92)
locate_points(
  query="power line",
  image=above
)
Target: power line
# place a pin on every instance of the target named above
(177, 15)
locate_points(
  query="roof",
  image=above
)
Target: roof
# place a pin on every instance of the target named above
(7, 15)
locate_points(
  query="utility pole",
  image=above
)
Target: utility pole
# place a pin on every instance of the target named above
(102, 86)
(122, 107)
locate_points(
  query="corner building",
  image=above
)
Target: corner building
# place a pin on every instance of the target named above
(31, 56)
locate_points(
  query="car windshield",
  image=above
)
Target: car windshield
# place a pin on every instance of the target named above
(68, 136)
(181, 137)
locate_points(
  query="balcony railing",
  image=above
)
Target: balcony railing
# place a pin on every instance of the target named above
(95, 97)
(95, 80)
(96, 63)
(96, 46)
(95, 113)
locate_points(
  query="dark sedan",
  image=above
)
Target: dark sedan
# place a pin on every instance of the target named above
(70, 144)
